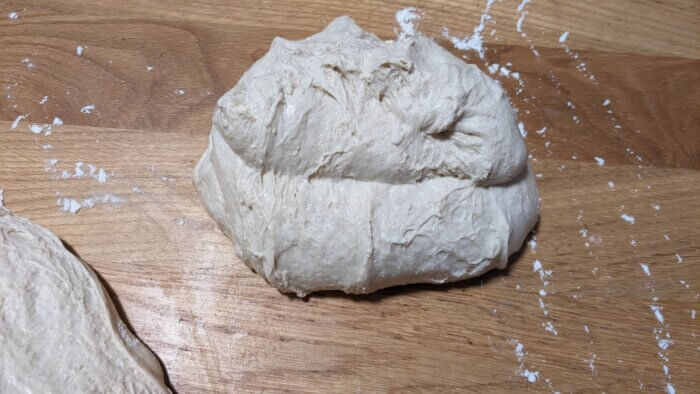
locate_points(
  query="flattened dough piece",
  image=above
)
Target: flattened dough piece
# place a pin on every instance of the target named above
(59, 331)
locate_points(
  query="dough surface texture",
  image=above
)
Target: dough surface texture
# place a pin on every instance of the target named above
(344, 162)
(59, 331)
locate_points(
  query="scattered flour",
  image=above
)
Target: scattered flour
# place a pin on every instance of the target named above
(88, 109)
(563, 37)
(13, 15)
(519, 351)
(37, 129)
(179, 92)
(521, 127)
(549, 326)
(57, 122)
(2, 198)
(73, 206)
(44, 100)
(657, 312)
(407, 19)
(627, 218)
(16, 121)
(149, 68)
(599, 160)
(475, 42)
(522, 12)
(645, 268)
(79, 50)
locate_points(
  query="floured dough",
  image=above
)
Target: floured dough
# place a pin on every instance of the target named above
(59, 331)
(346, 162)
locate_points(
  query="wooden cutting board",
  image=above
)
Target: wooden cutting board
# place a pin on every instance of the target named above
(622, 87)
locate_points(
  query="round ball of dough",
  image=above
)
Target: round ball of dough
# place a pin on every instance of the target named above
(344, 162)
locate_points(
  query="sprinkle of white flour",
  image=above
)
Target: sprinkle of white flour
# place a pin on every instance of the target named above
(179, 92)
(519, 351)
(16, 122)
(606, 102)
(88, 109)
(657, 312)
(521, 127)
(2, 198)
(530, 375)
(13, 15)
(521, 10)
(627, 218)
(79, 50)
(475, 42)
(102, 176)
(645, 268)
(44, 100)
(407, 18)
(73, 206)
(57, 122)
(149, 68)
(599, 160)
(549, 326)
(563, 37)
(36, 129)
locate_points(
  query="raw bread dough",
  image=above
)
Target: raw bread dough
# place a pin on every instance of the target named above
(59, 331)
(346, 162)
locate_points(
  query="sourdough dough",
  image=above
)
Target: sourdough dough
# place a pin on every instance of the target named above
(59, 331)
(346, 162)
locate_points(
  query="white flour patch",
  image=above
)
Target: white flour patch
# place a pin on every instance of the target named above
(591, 363)
(549, 326)
(27, 62)
(179, 92)
(88, 109)
(73, 206)
(679, 259)
(532, 243)
(2, 198)
(657, 312)
(44, 100)
(563, 37)
(57, 122)
(16, 121)
(519, 351)
(149, 68)
(627, 218)
(13, 15)
(475, 42)
(521, 127)
(79, 50)
(645, 268)
(407, 19)
(38, 129)
(522, 12)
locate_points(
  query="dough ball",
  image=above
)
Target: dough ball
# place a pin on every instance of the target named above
(344, 162)
(59, 331)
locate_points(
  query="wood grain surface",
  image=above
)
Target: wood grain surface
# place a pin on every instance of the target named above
(623, 88)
